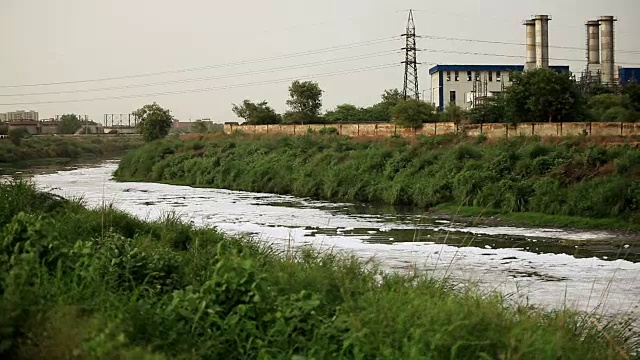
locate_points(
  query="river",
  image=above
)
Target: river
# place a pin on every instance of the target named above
(546, 267)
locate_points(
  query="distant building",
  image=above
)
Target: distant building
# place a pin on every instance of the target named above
(3, 117)
(48, 127)
(626, 75)
(182, 124)
(22, 115)
(31, 126)
(463, 85)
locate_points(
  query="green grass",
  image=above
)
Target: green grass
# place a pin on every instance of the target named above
(571, 180)
(537, 219)
(77, 283)
(38, 150)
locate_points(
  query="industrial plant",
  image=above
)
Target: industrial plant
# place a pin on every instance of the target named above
(466, 85)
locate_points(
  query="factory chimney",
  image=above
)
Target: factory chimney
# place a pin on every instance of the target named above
(542, 40)
(531, 44)
(607, 39)
(593, 47)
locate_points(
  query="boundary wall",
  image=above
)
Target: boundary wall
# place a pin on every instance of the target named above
(497, 130)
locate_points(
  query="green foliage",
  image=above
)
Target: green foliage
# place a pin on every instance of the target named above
(544, 95)
(4, 128)
(380, 112)
(453, 113)
(328, 131)
(50, 147)
(16, 135)
(492, 110)
(632, 91)
(305, 102)
(256, 114)
(69, 124)
(100, 284)
(347, 113)
(412, 113)
(619, 114)
(155, 122)
(199, 127)
(610, 107)
(511, 175)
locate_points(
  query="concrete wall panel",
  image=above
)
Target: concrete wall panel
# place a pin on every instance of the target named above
(606, 129)
(492, 131)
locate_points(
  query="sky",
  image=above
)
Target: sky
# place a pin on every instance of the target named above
(198, 57)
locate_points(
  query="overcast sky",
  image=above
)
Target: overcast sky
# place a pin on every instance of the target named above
(351, 47)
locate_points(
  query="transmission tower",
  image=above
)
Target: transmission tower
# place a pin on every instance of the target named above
(411, 61)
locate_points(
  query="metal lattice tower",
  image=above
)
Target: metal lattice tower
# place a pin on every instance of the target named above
(410, 89)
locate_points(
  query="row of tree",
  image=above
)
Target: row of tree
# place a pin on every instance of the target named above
(540, 95)
(547, 96)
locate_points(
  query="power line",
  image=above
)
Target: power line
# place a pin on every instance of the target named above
(178, 92)
(223, 76)
(216, 66)
(503, 55)
(505, 19)
(513, 43)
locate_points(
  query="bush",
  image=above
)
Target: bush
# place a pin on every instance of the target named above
(100, 284)
(412, 113)
(328, 131)
(16, 135)
(427, 172)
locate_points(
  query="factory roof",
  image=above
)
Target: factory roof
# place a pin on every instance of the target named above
(438, 68)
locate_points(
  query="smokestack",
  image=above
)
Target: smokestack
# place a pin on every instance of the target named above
(531, 44)
(608, 60)
(542, 41)
(593, 47)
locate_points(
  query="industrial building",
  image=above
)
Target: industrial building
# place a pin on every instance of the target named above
(626, 75)
(464, 85)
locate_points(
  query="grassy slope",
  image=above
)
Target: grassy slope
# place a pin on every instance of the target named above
(569, 182)
(99, 284)
(39, 149)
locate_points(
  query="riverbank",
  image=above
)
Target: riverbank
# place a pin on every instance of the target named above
(39, 150)
(80, 283)
(495, 217)
(570, 181)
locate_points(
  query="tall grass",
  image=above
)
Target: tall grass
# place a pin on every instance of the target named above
(569, 178)
(99, 284)
(52, 147)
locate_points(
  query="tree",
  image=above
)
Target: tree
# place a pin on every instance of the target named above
(305, 102)
(256, 114)
(346, 113)
(600, 107)
(544, 95)
(382, 110)
(69, 124)
(16, 135)
(392, 96)
(4, 129)
(491, 110)
(411, 113)
(155, 122)
(632, 91)
(618, 113)
(453, 113)
(199, 127)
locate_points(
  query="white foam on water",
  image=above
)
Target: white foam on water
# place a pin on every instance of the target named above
(550, 280)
